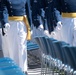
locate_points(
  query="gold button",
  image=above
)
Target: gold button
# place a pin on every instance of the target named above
(10, 6)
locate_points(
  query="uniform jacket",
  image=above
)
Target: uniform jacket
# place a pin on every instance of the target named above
(49, 14)
(1, 15)
(12, 8)
(36, 11)
(65, 6)
(28, 12)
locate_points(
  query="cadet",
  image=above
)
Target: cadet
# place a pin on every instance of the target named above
(43, 18)
(66, 9)
(36, 17)
(49, 14)
(17, 31)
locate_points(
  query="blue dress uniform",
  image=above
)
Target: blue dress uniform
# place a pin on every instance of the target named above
(36, 17)
(27, 12)
(14, 42)
(35, 12)
(49, 8)
(67, 9)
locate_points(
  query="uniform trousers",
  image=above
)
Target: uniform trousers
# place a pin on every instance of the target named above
(14, 43)
(67, 31)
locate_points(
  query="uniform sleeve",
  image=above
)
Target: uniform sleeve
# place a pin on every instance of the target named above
(4, 13)
(57, 10)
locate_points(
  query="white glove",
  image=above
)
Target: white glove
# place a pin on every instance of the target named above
(41, 27)
(59, 25)
(46, 33)
(7, 27)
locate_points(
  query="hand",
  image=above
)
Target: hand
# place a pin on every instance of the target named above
(59, 25)
(41, 27)
(46, 33)
(7, 27)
